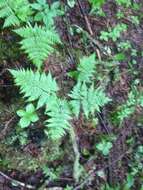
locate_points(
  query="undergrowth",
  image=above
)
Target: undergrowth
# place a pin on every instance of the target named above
(90, 97)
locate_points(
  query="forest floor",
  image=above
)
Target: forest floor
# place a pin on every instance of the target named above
(20, 163)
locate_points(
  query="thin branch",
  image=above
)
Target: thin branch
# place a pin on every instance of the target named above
(6, 128)
(94, 171)
(16, 181)
(85, 18)
(76, 167)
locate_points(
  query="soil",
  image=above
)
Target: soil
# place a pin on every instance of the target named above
(23, 162)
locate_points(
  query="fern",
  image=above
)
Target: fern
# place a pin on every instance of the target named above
(86, 68)
(35, 86)
(59, 115)
(87, 98)
(38, 42)
(127, 108)
(14, 11)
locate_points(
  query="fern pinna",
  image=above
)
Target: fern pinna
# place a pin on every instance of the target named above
(38, 42)
(86, 68)
(60, 116)
(14, 12)
(84, 97)
(87, 99)
(35, 86)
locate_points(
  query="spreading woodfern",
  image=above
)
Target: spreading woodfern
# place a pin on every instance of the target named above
(59, 118)
(84, 98)
(43, 88)
(35, 86)
(87, 99)
(38, 42)
(14, 11)
(86, 68)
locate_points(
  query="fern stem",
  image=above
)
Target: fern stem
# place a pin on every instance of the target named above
(76, 166)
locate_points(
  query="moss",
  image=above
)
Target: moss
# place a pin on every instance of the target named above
(12, 158)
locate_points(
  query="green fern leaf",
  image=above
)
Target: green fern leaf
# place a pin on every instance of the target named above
(86, 68)
(59, 116)
(87, 99)
(43, 88)
(38, 42)
(35, 86)
(14, 12)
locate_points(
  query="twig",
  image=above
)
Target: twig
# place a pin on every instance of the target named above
(103, 124)
(85, 18)
(94, 172)
(89, 29)
(6, 127)
(16, 181)
(76, 167)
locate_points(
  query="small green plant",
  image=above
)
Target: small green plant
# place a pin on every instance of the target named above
(71, 3)
(120, 14)
(97, 3)
(27, 116)
(15, 12)
(108, 187)
(129, 182)
(50, 173)
(126, 109)
(135, 20)
(97, 7)
(136, 164)
(124, 3)
(113, 33)
(104, 147)
(68, 188)
(135, 99)
(124, 45)
(46, 13)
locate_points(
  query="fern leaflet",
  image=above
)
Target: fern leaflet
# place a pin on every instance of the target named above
(38, 42)
(88, 99)
(86, 68)
(59, 115)
(14, 11)
(35, 86)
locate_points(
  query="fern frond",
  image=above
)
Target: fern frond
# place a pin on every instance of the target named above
(38, 42)
(14, 11)
(35, 86)
(86, 68)
(87, 99)
(59, 116)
